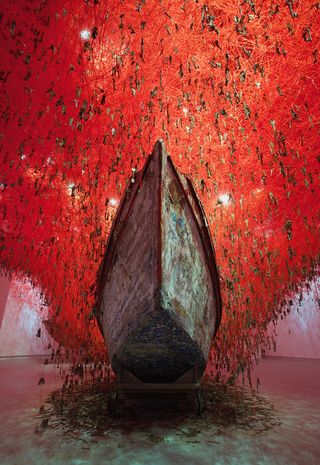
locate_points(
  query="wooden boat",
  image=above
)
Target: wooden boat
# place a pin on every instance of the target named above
(158, 297)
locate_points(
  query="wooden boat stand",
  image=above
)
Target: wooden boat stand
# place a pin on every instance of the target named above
(126, 384)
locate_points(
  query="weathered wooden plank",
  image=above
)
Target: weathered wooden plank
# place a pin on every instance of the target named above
(187, 287)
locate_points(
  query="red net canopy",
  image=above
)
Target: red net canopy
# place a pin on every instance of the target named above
(87, 87)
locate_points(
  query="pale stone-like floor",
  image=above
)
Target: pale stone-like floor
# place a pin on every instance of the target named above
(281, 428)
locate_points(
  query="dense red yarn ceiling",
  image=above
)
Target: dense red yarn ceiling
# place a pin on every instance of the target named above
(233, 89)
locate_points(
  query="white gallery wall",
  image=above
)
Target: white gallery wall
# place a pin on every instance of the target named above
(298, 334)
(4, 290)
(22, 314)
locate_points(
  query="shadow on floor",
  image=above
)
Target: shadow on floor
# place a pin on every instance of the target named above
(85, 409)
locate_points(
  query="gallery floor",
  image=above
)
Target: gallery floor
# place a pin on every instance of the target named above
(280, 428)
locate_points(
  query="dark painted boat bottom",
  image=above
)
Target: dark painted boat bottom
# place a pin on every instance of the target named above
(158, 350)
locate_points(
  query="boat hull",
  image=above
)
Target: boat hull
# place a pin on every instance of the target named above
(158, 297)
